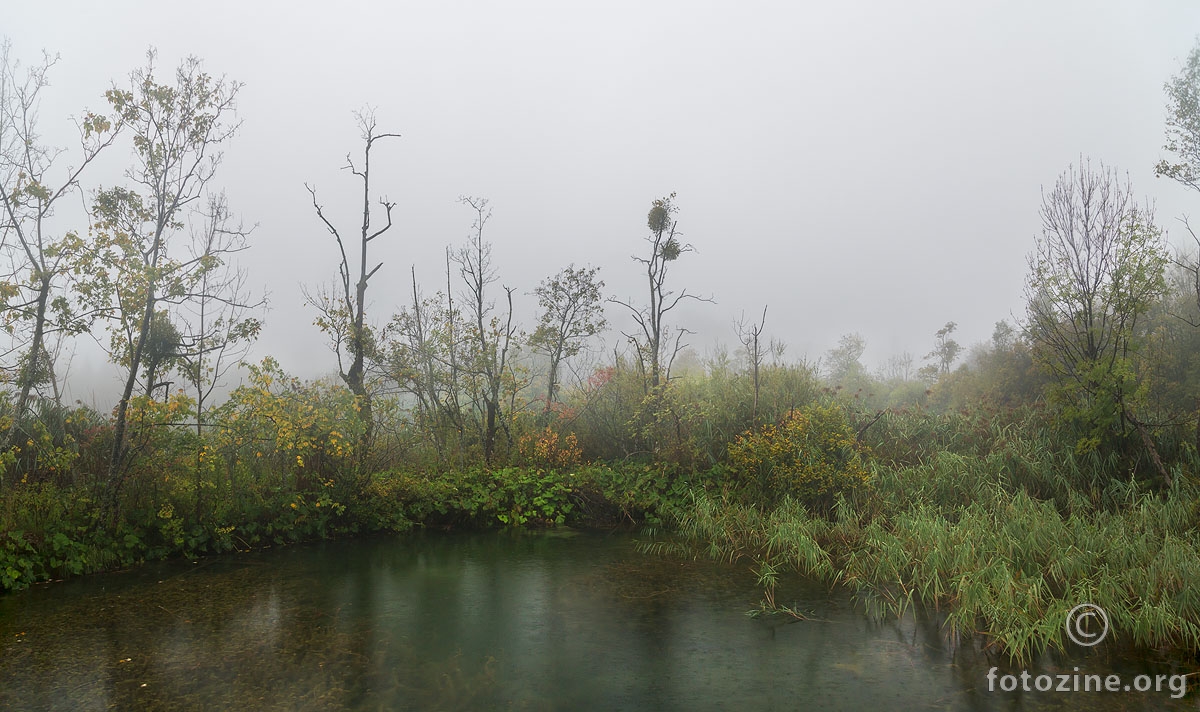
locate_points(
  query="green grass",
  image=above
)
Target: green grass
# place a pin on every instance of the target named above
(1003, 539)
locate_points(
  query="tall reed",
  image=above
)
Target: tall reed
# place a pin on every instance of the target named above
(1002, 531)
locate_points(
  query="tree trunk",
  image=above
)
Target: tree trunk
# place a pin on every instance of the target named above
(29, 368)
(489, 435)
(553, 378)
(1149, 443)
(117, 457)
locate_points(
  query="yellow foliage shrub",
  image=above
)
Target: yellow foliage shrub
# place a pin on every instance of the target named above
(811, 454)
(549, 450)
(305, 427)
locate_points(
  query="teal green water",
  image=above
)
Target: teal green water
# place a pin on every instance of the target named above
(487, 622)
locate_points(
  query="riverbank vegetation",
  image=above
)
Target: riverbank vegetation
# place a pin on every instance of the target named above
(999, 485)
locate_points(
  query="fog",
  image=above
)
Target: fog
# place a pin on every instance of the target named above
(868, 167)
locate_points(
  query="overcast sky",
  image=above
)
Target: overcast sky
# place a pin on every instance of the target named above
(871, 167)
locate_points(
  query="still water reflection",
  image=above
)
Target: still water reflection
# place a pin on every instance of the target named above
(482, 622)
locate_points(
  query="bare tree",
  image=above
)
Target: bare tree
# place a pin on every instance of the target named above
(651, 343)
(418, 355)
(343, 315)
(216, 327)
(493, 331)
(900, 367)
(750, 335)
(1189, 265)
(29, 195)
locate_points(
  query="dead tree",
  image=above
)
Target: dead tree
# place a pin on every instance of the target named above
(343, 315)
(651, 344)
(493, 332)
(749, 334)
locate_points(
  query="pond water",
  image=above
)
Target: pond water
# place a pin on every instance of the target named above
(542, 621)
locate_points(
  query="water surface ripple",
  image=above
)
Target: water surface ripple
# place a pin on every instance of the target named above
(482, 622)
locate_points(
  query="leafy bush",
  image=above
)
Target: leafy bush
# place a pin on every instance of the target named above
(546, 448)
(633, 494)
(514, 497)
(395, 501)
(811, 454)
(281, 424)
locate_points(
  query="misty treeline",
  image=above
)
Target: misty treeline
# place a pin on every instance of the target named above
(1071, 433)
